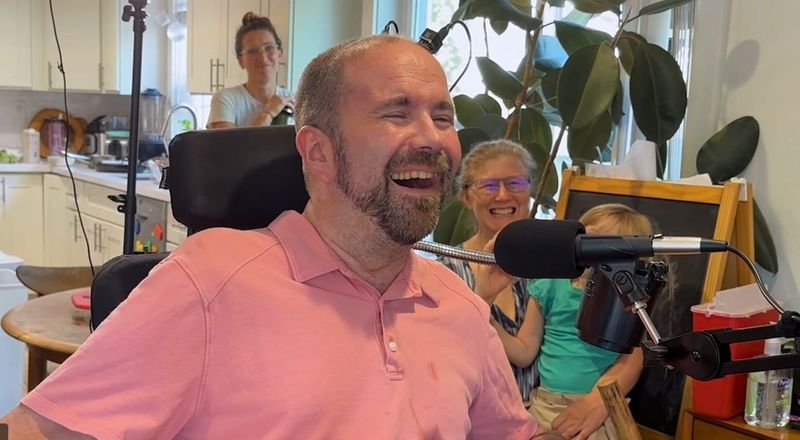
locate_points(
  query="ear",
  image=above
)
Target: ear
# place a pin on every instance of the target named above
(463, 196)
(239, 59)
(316, 150)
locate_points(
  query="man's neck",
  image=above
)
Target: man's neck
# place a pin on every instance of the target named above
(361, 246)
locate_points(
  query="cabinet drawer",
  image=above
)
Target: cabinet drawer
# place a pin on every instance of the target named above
(95, 202)
(62, 186)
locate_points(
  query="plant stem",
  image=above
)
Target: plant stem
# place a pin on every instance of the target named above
(546, 172)
(485, 43)
(530, 48)
(625, 21)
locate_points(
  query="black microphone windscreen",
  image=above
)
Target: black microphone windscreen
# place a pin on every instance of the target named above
(539, 248)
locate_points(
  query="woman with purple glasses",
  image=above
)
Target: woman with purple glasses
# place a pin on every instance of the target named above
(495, 185)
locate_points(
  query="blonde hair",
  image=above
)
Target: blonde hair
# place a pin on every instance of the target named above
(630, 221)
(488, 150)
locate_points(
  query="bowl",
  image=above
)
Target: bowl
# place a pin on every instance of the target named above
(58, 161)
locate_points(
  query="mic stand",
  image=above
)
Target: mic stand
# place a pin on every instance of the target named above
(702, 355)
(136, 11)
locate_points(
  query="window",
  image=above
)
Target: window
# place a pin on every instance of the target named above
(671, 30)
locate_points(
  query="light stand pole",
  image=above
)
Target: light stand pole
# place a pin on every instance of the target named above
(136, 11)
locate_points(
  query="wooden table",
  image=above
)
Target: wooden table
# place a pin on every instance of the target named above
(46, 325)
(735, 428)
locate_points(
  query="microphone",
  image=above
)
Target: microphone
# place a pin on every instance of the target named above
(561, 249)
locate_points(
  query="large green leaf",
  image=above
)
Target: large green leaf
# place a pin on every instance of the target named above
(587, 84)
(534, 128)
(598, 6)
(498, 81)
(662, 6)
(493, 125)
(556, 3)
(573, 36)
(468, 111)
(616, 111)
(729, 151)
(455, 224)
(628, 44)
(584, 144)
(766, 254)
(469, 137)
(658, 93)
(540, 155)
(496, 10)
(489, 104)
(550, 87)
(498, 26)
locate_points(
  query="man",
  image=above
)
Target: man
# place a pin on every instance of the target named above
(324, 325)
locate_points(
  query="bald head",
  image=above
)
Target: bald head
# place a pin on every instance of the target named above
(324, 81)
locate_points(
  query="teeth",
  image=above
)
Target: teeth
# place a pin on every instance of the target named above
(502, 211)
(408, 175)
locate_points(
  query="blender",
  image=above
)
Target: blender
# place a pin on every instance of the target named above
(151, 115)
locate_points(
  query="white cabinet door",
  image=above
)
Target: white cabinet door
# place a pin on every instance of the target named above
(21, 217)
(78, 24)
(110, 240)
(59, 229)
(78, 255)
(16, 43)
(280, 13)
(207, 45)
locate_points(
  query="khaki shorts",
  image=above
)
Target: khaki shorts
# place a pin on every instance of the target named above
(547, 405)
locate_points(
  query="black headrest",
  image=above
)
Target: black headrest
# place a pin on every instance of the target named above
(239, 177)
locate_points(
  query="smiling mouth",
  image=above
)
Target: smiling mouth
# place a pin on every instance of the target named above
(503, 211)
(415, 179)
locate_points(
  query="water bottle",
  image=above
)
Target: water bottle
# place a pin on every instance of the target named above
(769, 393)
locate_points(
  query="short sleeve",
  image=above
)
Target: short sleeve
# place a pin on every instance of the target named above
(498, 412)
(540, 291)
(223, 109)
(139, 375)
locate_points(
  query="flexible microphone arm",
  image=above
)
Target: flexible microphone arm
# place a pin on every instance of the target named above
(455, 252)
(704, 355)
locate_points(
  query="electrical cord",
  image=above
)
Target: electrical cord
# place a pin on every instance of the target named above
(433, 40)
(66, 158)
(759, 282)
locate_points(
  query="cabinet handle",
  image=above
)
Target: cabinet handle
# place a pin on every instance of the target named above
(211, 74)
(49, 75)
(75, 228)
(3, 179)
(220, 86)
(100, 246)
(94, 237)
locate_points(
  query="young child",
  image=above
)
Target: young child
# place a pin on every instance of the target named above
(567, 399)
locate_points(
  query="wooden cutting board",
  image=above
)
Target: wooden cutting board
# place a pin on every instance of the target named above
(77, 128)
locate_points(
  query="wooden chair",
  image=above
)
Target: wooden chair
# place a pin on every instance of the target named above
(47, 280)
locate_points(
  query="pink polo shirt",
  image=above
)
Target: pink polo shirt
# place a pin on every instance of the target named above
(266, 334)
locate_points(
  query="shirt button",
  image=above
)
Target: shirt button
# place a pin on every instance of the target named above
(392, 346)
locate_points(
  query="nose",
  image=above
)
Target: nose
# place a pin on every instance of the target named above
(428, 135)
(502, 192)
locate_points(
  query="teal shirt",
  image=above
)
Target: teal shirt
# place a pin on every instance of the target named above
(566, 363)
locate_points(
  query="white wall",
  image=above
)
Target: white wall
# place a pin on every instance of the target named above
(746, 63)
(318, 25)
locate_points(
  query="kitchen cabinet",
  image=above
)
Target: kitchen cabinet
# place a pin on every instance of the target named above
(22, 217)
(212, 25)
(61, 228)
(79, 35)
(16, 43)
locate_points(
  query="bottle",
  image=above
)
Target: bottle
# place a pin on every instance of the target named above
(769, 393)
(57, 135)
(30, 145)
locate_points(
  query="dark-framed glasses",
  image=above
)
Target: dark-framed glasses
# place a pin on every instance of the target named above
(513, 184)
(268, 48)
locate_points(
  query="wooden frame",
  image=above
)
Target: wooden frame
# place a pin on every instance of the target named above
(733, 223)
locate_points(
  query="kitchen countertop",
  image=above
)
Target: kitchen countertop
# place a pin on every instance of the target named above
(119, 181)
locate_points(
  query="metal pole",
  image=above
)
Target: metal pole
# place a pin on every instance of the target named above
(136, 11)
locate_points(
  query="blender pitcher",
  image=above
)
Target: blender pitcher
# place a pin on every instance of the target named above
(151, 118)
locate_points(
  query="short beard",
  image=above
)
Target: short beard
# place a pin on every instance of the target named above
(405, 220)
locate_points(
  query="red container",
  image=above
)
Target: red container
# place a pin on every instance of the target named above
(737, 308)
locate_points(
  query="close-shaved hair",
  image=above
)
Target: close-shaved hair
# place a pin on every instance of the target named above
(322, 83)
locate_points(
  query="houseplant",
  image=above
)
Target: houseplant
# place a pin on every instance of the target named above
(573, 81)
